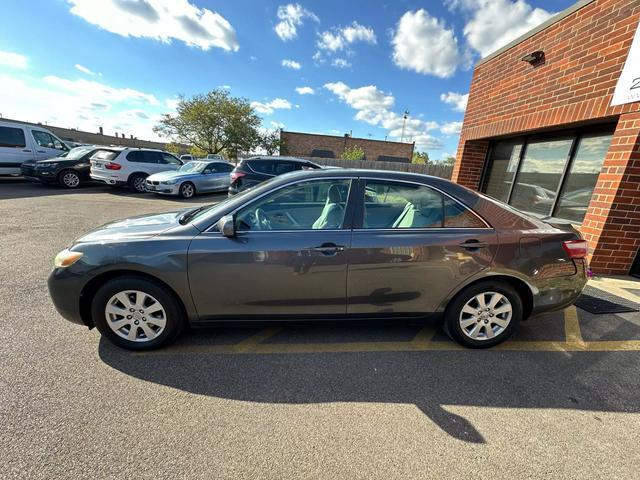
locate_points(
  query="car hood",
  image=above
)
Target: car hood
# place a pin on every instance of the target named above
(135, 228)
(170, 175)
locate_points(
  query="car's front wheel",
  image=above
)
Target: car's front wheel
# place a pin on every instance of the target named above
(484, 314)
(136, 313)
(187, 190)
(69, 179)
(138, 182)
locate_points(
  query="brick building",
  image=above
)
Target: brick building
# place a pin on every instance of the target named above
(540, 131)
(329, 146)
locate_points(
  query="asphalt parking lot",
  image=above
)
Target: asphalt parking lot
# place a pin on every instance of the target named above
(560, 400)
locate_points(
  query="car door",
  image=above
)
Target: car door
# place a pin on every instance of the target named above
(15, 148)
(411, 246)
(47, 146)
(277, 264)
(219, 176)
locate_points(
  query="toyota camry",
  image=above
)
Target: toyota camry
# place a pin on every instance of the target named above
(323, 244)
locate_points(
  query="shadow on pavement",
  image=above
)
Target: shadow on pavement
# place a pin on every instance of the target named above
(595, 381)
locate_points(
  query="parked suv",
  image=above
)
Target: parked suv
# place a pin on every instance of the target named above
(130, 166)
(252, 171)
(69, 169)
(22, 142)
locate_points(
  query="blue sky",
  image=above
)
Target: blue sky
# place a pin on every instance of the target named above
(315, 66)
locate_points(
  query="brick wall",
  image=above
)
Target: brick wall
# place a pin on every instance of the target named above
(584, 55)
(302, 144)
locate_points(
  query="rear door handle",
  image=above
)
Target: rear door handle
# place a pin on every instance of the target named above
(328, 249)
(473, 244)
(41, 151)
(26, 151)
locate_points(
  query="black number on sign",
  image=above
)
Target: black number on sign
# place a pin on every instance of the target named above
(635, 84)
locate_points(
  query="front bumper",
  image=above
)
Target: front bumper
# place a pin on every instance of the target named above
(65, 290)
(163, 189)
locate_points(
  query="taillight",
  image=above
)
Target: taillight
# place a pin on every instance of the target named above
(576, 248)
(112, 166)
(237, 175)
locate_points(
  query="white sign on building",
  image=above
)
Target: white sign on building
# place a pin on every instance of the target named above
(628, 88)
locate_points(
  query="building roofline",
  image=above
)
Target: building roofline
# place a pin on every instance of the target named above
(352, 138)
(555, 19)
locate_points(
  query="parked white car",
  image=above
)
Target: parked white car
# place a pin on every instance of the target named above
(21, 142)
(130, 166)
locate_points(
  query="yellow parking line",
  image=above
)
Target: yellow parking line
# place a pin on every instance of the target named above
(572, 325)
(250, 343)
(425, 334)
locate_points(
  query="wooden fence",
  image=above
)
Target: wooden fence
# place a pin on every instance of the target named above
(437, 170)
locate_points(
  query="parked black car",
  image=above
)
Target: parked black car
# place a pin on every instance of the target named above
(69, 170)
(329, 243)
(252, 171)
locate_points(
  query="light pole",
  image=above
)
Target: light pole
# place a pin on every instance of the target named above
(404, 124)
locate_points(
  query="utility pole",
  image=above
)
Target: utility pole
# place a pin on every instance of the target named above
(404, 124)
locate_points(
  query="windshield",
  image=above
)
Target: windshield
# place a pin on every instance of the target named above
(77, 153)
(193, 167)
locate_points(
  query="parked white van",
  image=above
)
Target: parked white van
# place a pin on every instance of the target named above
(20, 142)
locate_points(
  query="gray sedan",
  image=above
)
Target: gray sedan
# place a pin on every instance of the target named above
(323, 244)
(192, 178)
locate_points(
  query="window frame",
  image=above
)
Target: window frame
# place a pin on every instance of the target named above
(575, 135)
(358, 221)
(347, 223)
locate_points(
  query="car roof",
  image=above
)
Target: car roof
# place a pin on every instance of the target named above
(277, 157)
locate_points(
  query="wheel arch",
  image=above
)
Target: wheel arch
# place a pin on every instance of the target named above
(89, 291)
(520, 286)
(137, 172)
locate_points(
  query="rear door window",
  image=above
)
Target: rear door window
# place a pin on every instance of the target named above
(221, 167)
(12, 137)
(261, 166)
(457, 216)
(286, 167)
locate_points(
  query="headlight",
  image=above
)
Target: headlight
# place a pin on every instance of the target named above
(47, 165)
(66, 258)
(169, 182)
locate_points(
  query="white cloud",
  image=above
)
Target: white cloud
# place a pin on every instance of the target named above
(172, 103)
(277, 125)
(224, 87)
(424, 44)
(161, 20)
(494, 23)
(291, 17)
(305, 91)
(339, 38)
(87, 105)
(451, 128)
(457, 100)
(375, 108)
(86, 70)
(267, 108)
(13, 60)
(340, 63)
(291, 64)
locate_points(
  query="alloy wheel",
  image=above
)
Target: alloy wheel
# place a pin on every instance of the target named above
(140, 184)
(135, 316)
(187, 190)
(70, 179)
(485, 316)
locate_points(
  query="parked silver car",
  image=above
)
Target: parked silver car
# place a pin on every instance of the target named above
(192, 178)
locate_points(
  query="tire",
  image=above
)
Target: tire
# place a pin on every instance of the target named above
(187, 190)
(157, 312)
(137, 182)
(69, 179)
(464, 324)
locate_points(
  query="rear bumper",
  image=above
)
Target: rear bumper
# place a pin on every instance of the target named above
(106, 178)
(560, 292)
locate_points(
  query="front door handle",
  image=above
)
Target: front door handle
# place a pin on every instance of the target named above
(473, 244)
(328, 249)
(41, 151)
(26, 151)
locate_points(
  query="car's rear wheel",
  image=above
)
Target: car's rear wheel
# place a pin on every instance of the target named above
(136, 313)
(69, 179)
(138, 182)
(187, 190)
(484, 314)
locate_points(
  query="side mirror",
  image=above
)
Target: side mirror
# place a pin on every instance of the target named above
(226, 226)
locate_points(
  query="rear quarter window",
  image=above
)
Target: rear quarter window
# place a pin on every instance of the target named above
(457, 216)
(261, 166)
(12, 137)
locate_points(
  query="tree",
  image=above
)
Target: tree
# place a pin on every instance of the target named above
(449, 160)
(353, 153)
(173, 148)
(213, 122)
(420, 158)
(197, 152)
(270, 142)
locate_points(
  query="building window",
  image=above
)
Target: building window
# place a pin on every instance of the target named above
(582, 177)
(542, 167)
(539, 176)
